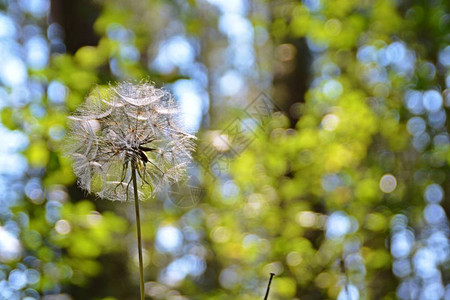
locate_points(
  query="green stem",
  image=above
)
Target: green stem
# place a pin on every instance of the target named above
(138, 225)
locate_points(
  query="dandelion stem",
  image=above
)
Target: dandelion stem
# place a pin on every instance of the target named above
(138, 225)
(268, 286)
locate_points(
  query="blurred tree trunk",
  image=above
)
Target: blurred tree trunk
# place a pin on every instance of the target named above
(77, 18)
(292, 76)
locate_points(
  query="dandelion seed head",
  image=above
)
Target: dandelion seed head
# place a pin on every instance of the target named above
(123, 126)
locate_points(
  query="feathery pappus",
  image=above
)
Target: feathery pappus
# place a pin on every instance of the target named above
(123, 126)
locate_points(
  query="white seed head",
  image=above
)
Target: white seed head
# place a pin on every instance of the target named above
(123, 126)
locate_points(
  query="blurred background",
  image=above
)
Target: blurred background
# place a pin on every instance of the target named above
(323, 152)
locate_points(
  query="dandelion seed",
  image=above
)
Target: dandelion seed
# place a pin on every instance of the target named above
(127, 141)
(126, 125)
